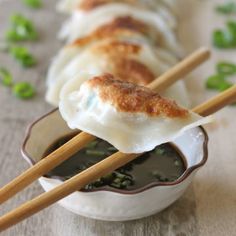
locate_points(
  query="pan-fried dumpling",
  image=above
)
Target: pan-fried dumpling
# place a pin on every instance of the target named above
(82, 24)
(132, 62)
(88, 5)
(162, 7)
(132, 118)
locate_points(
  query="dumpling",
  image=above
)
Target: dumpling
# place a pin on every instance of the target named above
(88, 5)
(137, 63)
(165, 8)
(82, 24)
(132, 118)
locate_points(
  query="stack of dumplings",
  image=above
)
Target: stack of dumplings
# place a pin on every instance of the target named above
(139, 34)
(118, 47)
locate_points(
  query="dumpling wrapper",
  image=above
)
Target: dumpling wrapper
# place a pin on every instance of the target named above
(138, 62)
(132, 118)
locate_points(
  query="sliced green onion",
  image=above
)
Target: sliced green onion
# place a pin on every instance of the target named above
(21, 29)
(223, 39)
(226, 68)
(6, 77)
(176, 163)
(120, 175)
(116, 185)
(33, 3)
(159, 151)
(117, 180)
(227, 8)
(156, 174)
(95, 152)
(92, 144)
(231, 26)
(218, 82)
(22, 55)
(163, 179)
(112, 149)
(23, 90)
(126, 183)
(98, 183)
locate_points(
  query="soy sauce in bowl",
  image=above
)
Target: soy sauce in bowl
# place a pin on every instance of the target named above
(163, 164)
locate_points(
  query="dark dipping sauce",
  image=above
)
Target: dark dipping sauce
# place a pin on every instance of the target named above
(163, 164)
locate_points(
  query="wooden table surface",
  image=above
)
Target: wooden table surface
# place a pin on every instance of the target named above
(209, 205)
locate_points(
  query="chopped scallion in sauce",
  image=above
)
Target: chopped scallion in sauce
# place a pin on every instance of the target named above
(164, 164)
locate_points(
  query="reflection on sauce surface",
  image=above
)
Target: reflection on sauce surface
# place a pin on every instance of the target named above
(163, 164)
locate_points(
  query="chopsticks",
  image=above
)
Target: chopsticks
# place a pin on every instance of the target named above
(217, 102)
(98, 170)
(79, 141)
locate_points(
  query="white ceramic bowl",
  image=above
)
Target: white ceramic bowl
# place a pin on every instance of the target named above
(113, 204)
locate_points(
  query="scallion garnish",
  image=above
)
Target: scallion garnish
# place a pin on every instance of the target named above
(6, 77)
(33, 3)
(176, 163)
(22, 55)
(95, 152)
(218, 82)
(227, 8)
(112, 149)
(21, 29)
(126, 183)
(159, 151)
(231, 26)
(226, 68)
(225, 38)
(23, 90)
(222, 39)
(92, 144)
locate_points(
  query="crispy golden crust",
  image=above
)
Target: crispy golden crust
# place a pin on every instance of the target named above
(121, 58)
(125, 25)
(127, 97)
(88, 5)
(122, 22)
(115, 47)
(133, 71)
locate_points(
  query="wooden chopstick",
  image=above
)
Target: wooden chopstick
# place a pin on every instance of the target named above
(98, 170)
(216, 103)
(180, 70)
(79, 141)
